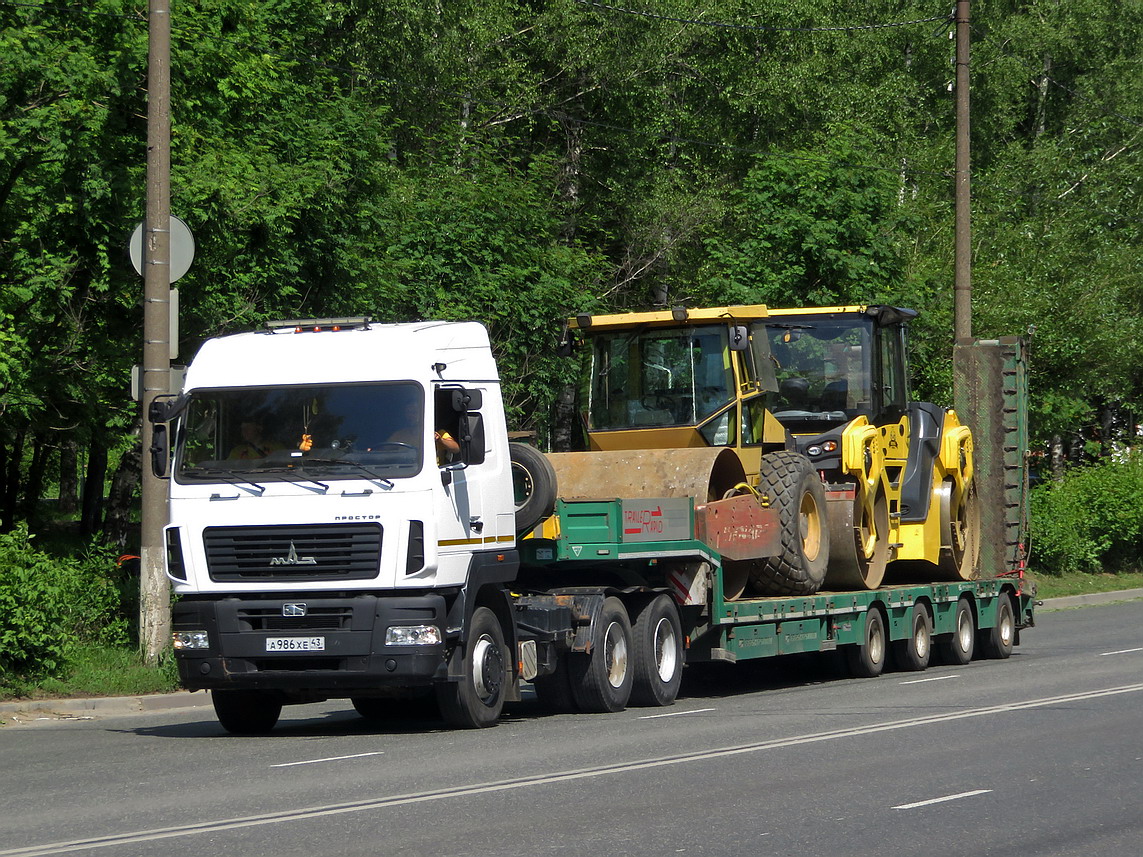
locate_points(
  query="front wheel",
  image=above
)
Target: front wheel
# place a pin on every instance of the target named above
(658, 642)
(246, 712)
(477, 699)
(601, 680)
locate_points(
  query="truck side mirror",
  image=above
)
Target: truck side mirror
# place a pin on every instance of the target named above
(160, 450)
(472, 439)
(466, 400)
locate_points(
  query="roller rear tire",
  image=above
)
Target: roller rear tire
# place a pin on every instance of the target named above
(794, 489)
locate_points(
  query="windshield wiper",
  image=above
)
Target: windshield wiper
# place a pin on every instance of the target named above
(228, 475)
(373, 474)
(293, 468)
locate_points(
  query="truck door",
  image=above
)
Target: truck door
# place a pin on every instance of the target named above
(463, 523)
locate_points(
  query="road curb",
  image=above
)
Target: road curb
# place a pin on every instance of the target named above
(27, 710)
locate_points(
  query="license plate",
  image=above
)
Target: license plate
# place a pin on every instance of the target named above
(295, 644)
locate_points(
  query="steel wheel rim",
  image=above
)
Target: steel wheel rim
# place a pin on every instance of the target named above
(810, 525)
(666, 651)
(487, 667)
(615, 652)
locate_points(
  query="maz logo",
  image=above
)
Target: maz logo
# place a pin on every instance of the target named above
(295, 609)
(292, 558)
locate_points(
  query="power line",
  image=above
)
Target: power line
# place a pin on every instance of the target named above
(727, 25)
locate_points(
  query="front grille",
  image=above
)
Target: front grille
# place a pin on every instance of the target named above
(292, 552)
(316, 619)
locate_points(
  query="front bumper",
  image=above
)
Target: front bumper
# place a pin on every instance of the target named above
(352, 629)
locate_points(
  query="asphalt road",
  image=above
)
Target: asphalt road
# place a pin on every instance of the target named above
(1040, 754)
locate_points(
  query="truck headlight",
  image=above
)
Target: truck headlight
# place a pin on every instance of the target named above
(413, 635)
(191, 640)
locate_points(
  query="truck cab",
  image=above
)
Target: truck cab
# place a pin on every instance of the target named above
(314, 510)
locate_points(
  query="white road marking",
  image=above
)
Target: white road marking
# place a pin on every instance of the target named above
(1121, 652)
(931, 801)
(373, 804)
(931, 678)
(677, 713)
(330, 759)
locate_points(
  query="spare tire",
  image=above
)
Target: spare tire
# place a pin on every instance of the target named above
(533, 485)
(792, 485)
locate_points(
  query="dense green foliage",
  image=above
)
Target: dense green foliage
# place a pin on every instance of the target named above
(48, 605)
(514, 161)
(1091, 520)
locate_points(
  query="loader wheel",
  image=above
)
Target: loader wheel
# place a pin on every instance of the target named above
(533, 485)
(960, 534)
(795, 490)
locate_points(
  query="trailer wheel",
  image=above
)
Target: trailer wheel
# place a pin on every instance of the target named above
(957, 648)
(601, 680)
(792, 484)
(658, 637)
(533, 485)
(476, 700)
(913, 653)
(996, 642)
(555, 691)
(246, 712)
(867, 659)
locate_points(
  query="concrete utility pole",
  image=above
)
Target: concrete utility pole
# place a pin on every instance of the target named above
(962, 284)
(154, 593)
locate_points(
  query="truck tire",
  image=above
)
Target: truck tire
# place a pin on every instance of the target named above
(956, 648)
(913, 653)
(246, 712)
(867, 658)
(657, 635)
(996, 642)
(476, 700)
(792, 484)
(601, 680)
(533, 485)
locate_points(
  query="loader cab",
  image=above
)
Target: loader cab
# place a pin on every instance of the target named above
(838, 364)
(680, 378)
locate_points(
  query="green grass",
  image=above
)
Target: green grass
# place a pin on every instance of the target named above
(98, 671)
(1085, 584)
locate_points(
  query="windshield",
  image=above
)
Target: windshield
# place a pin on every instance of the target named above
(823, 371)
(302, 433)
(659, 377)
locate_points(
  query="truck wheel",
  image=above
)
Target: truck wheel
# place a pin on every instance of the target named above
(601, 680)
(533, 485)
(957, 648)
(658, 644)
(996, 642)
(246, 712)
(792, 484)
(867, 659)
(477, 699)
(914, 651)
(554, 690)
